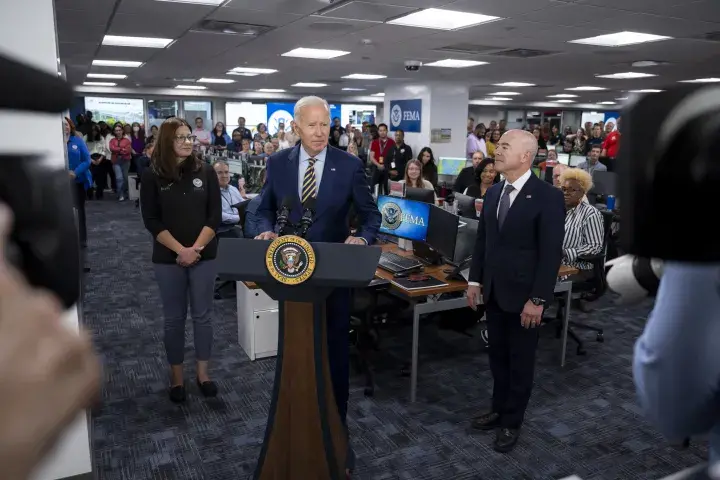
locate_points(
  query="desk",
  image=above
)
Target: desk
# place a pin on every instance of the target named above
(434, 304)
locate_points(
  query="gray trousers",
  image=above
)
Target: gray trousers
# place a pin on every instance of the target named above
(177, 285)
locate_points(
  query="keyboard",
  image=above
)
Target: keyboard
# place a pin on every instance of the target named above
(392, 262)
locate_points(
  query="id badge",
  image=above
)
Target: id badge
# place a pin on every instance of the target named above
(392, 165)
(381, 160)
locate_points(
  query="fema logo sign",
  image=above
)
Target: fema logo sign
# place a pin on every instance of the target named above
(406, 115)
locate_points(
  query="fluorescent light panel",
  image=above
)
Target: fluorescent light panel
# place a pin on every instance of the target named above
(702, 80)
(381, 94)
(215, 80)
(316, 53)
(564, 101)
(353, 89)
(190, 87)
(364, 76)
(563, 95)
(502, 94)
(254, 71)
(514, 84)
(310, 85)
(116, 63)
(607, 103)
(646, 90)
(243, 74)
(452, 63)
(498, 99)
(621, 98)
(441, 19)
(620, 39)
(146, 42)
(117, 76)
(100, 84)
(271, 90)
(585, 89)
(197, 2)
(626, 75)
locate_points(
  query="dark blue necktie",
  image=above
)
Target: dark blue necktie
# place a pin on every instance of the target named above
(504, 204)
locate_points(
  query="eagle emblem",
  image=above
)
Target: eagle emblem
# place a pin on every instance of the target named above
(391, 216)
(290, 260)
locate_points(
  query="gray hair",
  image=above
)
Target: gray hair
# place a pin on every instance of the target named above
(310, 101)
(221, 162)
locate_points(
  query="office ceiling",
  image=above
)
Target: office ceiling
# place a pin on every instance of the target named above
(380, 48)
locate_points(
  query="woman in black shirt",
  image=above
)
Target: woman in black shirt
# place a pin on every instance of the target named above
(181, 208)
(429, 169)
(485, 177)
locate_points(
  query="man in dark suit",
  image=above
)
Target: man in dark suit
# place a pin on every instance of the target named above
(337, 180)
(515, 266)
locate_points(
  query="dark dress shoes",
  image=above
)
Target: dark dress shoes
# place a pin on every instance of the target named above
(208, 389)
(177, 394)
(506, 439)
(486, 421)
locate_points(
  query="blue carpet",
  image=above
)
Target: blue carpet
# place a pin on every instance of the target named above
(582, 419)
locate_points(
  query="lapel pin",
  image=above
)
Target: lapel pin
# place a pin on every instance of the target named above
(332, 169)
(528, 196)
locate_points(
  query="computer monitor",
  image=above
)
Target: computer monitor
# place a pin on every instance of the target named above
(465, 241)
(404, 218)
(465, 205)
(451, 165)
(563, 158)
(604, 183)
(576, 160)
(424, 195)
(442, 231)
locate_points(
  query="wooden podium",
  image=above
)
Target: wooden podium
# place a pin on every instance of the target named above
(305, 437)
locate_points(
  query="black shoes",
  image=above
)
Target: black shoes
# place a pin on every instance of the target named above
(208, 389)
(177, 394)
(505, 439)
(486, 421)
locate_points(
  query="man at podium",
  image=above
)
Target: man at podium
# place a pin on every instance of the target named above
(336, 180)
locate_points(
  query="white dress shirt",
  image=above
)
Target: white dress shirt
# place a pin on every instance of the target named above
(319, 167)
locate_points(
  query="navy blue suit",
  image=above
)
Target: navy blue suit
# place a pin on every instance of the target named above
(515, 263)
(343, 185)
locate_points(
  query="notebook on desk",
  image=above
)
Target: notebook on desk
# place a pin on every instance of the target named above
(407, 284)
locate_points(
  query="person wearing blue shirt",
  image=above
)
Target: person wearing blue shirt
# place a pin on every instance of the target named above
(677, 360)
(78, 158)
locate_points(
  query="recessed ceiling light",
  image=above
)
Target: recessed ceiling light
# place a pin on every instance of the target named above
(621, 98)
(254, 71)
(442, 19)
(316, 53)
(100, 84)
(381, 94)
(310, 85)
(452, 63)
(607, 103)
(118, 76)
(626, 75)
(215, 80)
(646, 90)
(147, 42)
(702, 80)
(563, 95)
(116, 63)
(646, 63)
(354, 89)
(564, 101)
(196, 2)
(620, 39)
(498, 99)
(271, 90)
(190, 87)
(364, 76)
(585, 89)
(243, 74)
(500, 94)
(514, 84)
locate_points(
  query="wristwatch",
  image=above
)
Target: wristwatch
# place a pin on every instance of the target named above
(537, 301)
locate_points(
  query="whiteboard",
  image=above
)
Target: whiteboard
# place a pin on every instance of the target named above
(254, 113)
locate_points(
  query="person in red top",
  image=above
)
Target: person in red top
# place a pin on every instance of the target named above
(610, 147)
(380, 149)
(121, 149)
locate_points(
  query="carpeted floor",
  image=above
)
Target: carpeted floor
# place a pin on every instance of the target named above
(582, 419)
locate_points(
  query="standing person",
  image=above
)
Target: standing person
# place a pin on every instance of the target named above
(515, 266)
(380, 148)
(337, 180)
(611, 145)
(202, 136)
(79, 168)
(98, 168)
(429, 170)
(220, 137)
(121, 153)
(476, 142)
(244, 132)
(180, 198)
(400, 156)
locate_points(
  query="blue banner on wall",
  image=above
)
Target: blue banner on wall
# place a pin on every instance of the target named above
(611, 117)
(406, 115)
(283, 112)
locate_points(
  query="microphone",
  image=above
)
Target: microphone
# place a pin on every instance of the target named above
(634, 278)
(283, 215)
(307, 219)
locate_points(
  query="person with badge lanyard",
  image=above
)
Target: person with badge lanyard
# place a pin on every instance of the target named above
(230, 198)
(379, 150)
(401, 155)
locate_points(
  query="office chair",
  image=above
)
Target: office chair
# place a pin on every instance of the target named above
(594, 288)
(229, 233)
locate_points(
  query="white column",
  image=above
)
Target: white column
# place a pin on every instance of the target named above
(34, 21)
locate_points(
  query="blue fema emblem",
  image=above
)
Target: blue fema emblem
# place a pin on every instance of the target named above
(391, 216)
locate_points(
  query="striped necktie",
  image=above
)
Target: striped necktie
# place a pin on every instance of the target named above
(309, 183)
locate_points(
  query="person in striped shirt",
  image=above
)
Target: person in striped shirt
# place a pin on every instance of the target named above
(583, 223)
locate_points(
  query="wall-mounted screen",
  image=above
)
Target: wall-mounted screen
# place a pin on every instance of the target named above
(112, 110)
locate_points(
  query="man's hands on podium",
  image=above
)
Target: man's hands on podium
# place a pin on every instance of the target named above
(49, 374)
(355, 241)
(474, 294)
(266, 236)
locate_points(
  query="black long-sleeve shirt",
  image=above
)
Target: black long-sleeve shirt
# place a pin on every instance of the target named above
(182, 208)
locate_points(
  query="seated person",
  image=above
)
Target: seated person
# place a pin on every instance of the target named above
(230, 199)
(551, 157)
(557, 171)
(466, 177)
(236, 146)
(584, 231)
(592, 163)
(485, 177)
(253, 224)
(413, 177)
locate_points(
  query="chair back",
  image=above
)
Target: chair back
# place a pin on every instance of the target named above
(598, 262)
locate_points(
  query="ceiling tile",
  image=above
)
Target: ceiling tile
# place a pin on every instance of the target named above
(302, 7)
(500, 8)
(67, 18)
(76, 48)
(368, 11)
(254, 17)
(417, 4)
(102, 5)
(127, 53)
(654, 24)
(150, 25)
(641, 6)
(168, 11)
(85, 33)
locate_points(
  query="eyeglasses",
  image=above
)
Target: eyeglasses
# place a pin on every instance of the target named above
(570, 190)
(185, 138)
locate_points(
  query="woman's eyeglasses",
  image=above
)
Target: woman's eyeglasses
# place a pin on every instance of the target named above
(570, 190)
(185, 138)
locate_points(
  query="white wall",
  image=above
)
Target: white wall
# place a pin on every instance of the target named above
(485, 114)
(34, 20)
(448, 106)
(411, 92)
